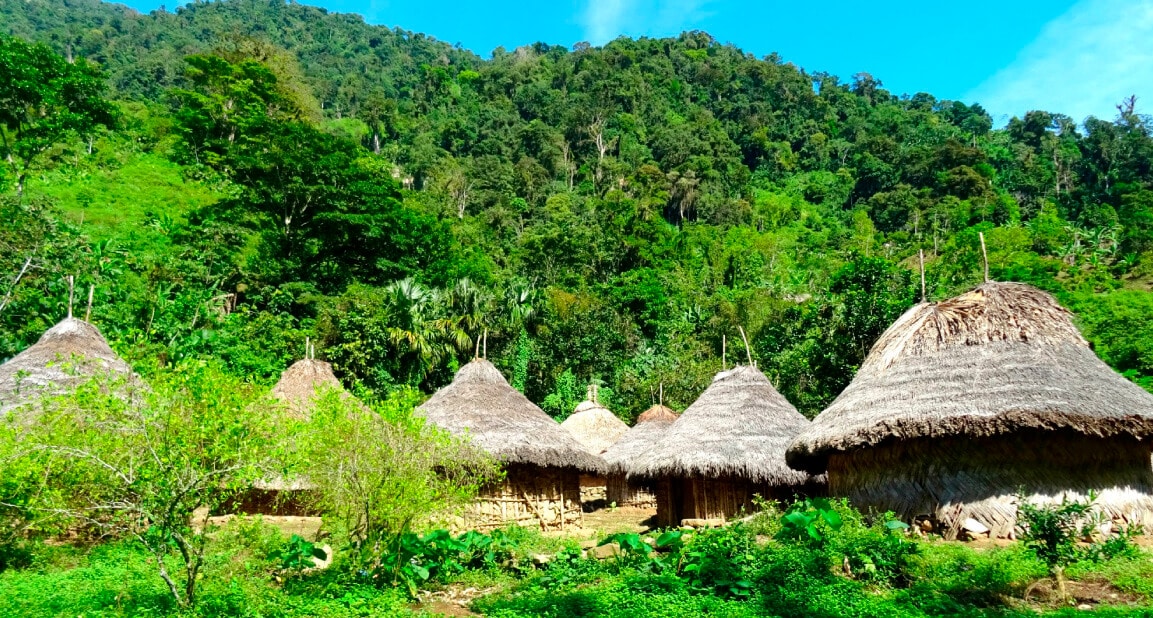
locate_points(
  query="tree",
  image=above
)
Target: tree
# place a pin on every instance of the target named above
(140, 463)
(44, 100)
(382, 471)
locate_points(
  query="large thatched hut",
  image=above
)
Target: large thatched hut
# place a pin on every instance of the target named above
(965, 404)
(542, 461)
(68, 354)
(650, 426)
(728, 446)
(596, 428)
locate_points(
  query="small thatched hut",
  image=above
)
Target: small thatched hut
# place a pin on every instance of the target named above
(596, 428)
(651, 425)
(542, 461)
(67, 355)
(728, 446)
(963, 404)
(298, 387)
(300, 384)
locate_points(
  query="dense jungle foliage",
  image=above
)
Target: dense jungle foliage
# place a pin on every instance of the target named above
(235, 177)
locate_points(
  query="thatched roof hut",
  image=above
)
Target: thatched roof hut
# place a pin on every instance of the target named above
(300, 384)
(594, 425)
(650, 426)
(68, 354)
(728, 445)
(481, 404)
(962, 402)
(543, 461)
(739, 427)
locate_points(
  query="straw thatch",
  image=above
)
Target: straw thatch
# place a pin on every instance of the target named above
(1002, 358)
(622, 491)
(66, 355)
(595, 427)
(651, 425)
(300, 384)
(481, 405)
(725, 449)
(739, 427)
(964, 404)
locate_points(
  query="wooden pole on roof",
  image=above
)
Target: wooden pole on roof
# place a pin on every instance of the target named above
(476, 354)
(748, 352)
(88, 313)
(984, 255)
(485, 349)
(70, 295)
(922, 275)
(662, 401)
(307, 345)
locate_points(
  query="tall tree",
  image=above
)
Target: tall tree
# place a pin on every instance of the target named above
(44, 100)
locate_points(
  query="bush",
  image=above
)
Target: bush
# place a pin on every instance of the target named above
(381, 473)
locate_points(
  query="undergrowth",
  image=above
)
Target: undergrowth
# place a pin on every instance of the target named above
(816, 559)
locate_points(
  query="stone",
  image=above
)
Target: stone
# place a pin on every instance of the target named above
(1085, 607)
(541, 559)
(926, 525)
(604, 552)
(588, 544)
(975, 527)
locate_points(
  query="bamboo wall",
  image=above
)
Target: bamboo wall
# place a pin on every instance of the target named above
(631, 492)
(950, 480)
(681, 498)
(531, 496)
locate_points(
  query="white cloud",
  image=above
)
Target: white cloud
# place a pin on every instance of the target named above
(605, 20)
(1083, 63)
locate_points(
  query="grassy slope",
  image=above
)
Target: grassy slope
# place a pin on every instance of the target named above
(129, 201)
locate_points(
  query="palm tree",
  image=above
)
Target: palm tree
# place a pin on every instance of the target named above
(418, 326)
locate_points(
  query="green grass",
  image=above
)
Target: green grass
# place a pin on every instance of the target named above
(787, 579)
(121, 201)
(119, 579)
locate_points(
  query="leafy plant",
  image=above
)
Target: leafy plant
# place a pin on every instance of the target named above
(1052, 533)
(298, 554)
(809, 521)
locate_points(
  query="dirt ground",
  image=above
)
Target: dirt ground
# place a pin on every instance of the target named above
(620, 519)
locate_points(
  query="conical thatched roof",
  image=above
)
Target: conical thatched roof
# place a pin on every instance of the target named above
(481, 404)
(66, 355)
(595, 426)
(299, 384)
(1003, 357)
(651, 425)
(739, 427)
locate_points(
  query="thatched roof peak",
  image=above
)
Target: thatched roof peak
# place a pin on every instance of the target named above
(739, 427)
(480, 404)
(651, 425)
(595, 426)
(299, 384)
(67, 354)
(1000, 358)
(659, 413)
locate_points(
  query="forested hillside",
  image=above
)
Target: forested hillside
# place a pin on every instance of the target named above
(271, 172)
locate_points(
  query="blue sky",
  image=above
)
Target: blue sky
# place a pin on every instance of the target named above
(1074, 57)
